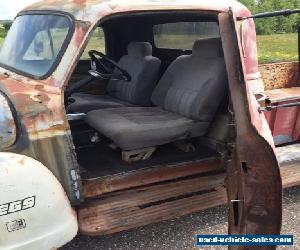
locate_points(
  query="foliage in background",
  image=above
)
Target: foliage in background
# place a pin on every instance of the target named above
(4, 27)
(2, 32)
(277, 48)
(274, 25)
(271, 48)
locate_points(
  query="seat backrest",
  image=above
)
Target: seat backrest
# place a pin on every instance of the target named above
(144, 71)
(195, 85)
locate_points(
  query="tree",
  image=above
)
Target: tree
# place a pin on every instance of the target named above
(2, 31)
(251, 4)
(274, 24)
(7, 25)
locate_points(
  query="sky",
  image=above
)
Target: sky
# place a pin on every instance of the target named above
(10, 8)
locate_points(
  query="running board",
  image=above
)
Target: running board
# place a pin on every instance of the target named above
(149, 176)
(120, 211)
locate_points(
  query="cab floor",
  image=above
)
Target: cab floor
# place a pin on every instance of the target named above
(101, 160)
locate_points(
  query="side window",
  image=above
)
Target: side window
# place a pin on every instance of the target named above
(96, 42)
(182, 35)
(58, 35)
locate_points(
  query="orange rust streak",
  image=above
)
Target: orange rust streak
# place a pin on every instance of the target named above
(80, 34)
(80, 2)
(280, 75)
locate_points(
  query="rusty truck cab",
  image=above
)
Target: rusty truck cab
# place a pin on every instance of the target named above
(145, 111)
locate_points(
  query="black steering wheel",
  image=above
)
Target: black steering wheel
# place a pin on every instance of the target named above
(105, 68)
(101, 67)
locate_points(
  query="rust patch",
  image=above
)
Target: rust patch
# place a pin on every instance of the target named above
(253, 176)
(39, 87)
(80, 2)
(283, 94)
(280, 75)
(42, 98)
(97, 187)
(52, 81)
(80, 33)
(22, 161)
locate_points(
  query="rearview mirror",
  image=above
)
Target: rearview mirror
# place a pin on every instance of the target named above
(38, 47)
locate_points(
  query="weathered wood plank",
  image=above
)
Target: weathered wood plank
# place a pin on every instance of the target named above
(163, 191)
(95, 221)
(290, 175)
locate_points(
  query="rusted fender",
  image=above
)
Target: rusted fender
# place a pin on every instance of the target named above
(43, 132)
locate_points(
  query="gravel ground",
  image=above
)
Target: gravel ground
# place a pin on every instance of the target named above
(179, 234)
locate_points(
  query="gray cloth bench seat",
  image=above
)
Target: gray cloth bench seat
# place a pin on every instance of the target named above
(187, 98)
(144, 71)
(87, 102)
(140, 127)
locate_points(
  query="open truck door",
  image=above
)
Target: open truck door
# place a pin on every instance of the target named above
(253, 182)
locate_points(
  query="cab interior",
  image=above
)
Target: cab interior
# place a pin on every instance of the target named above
(155, 95)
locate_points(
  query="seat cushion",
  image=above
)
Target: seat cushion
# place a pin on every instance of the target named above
(140, 127)
(84, 103)
(194, 85)
(144, 71)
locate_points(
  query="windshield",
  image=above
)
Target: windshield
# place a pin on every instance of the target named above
(34, 43)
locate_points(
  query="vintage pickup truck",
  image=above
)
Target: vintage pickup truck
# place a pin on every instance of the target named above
(173, 116)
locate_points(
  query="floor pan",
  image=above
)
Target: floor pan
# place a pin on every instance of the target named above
(101, 160)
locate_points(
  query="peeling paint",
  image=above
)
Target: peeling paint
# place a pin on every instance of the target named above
(8, 130)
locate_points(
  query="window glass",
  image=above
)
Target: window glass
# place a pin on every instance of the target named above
(96, 42)
(34, 42)
(182, 35)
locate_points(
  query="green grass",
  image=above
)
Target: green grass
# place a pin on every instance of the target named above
(277, 48)
(96, 43)
(271, 48)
